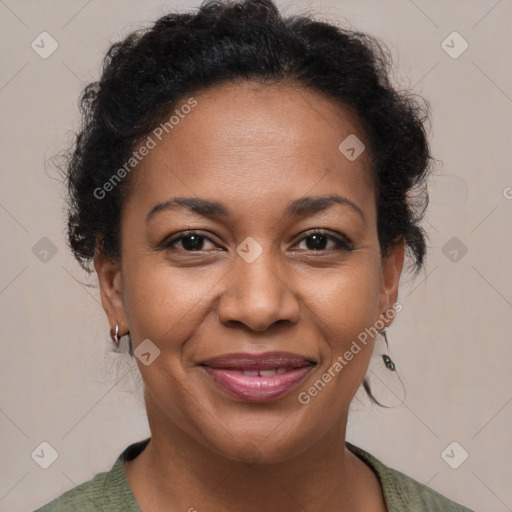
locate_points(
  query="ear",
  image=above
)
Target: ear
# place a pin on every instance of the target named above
(111, 288)
(392, 266)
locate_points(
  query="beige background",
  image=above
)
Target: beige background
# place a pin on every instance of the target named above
(451, 343)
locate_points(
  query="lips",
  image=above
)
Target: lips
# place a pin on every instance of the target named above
(246, 362)
(258, 377)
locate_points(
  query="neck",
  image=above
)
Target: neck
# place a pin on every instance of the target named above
(177, 469)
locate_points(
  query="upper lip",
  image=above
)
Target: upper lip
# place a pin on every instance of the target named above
(263, 361)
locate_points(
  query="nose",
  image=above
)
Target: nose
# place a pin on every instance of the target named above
(257, 296)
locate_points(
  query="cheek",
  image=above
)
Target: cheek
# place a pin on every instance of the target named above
(161, 302)
(344, 305)
(345, 301)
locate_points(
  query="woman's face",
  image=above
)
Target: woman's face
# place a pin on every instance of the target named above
(253, 277)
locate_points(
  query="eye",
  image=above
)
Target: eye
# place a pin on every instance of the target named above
(315, 241)
(319, 240)
(190, 241)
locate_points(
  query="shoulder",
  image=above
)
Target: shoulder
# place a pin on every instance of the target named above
(105, 491)
(86, 497)
(403, 493)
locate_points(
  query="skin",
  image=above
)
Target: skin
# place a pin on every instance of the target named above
(253, 148)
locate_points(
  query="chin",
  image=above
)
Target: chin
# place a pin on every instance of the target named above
(259, 448)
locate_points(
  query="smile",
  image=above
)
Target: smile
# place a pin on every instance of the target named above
(258, 377)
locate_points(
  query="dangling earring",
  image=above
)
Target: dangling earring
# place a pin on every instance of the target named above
(383, 380)
(388, 362)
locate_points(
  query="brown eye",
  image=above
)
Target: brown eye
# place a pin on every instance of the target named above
(190, 242)
(319, 241)
(316, 242)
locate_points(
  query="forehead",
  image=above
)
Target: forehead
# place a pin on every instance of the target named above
(254, 142)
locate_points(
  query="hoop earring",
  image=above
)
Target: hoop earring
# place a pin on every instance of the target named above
(116, 338)
(114, 334)
(388, 362)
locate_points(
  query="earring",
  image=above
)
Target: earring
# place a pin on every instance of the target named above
(116, 338)
(115, 335)
(383, 380)
(388, 362)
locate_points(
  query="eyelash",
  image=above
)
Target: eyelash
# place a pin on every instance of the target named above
(341, 245)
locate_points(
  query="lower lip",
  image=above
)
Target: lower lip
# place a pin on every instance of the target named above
(256, 388)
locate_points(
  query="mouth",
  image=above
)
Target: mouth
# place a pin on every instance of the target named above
(258, 377)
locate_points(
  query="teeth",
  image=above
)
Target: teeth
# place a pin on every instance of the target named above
(264, 373)
(267, 373)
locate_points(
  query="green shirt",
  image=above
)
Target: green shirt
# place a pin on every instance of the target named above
(110, 491)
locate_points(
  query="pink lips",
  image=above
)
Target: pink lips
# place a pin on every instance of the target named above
(258, 377)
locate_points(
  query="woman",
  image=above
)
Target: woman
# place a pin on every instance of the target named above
(247, 188)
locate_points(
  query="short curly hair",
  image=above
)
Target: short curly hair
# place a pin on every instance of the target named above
(145, 75)
(151, 69)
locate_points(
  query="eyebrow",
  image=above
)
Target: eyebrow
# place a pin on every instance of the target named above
(301, 207)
